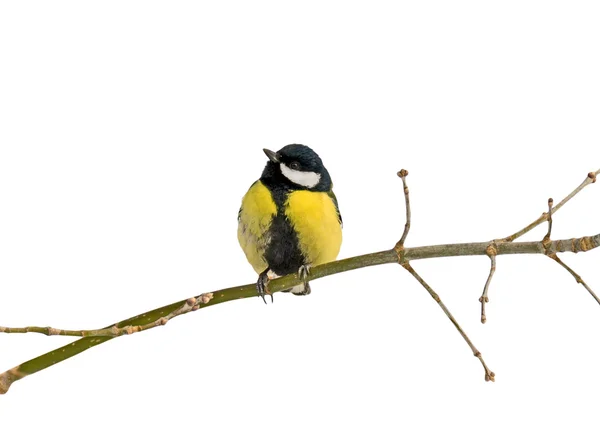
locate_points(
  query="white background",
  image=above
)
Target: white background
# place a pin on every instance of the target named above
(129, 132)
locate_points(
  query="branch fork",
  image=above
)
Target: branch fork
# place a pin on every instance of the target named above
(550, 247)
(399, 248)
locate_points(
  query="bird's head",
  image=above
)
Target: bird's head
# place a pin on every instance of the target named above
(298, 167)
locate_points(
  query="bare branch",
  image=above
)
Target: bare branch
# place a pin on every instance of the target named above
(491, 251)
(590, 178)
(489, 375)
(552, 255)
(283, 283)
(547, 237)
(577, 277)
(573, 245)
(46, 330)
(113, 331)
(403, 174)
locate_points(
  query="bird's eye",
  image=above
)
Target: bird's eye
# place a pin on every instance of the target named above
(295, 166)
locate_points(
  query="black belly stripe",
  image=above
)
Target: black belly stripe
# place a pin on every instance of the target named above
(283, 253)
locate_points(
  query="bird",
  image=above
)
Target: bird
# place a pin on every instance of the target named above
(289, 219)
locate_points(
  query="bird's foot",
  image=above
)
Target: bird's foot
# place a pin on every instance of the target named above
(303, 273)
(262, 285)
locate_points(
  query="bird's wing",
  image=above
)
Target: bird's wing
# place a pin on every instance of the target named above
(254, 221)
(240, 210)
(337, 208)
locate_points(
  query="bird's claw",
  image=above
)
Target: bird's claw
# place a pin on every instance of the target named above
(262, 286)
(303, 273)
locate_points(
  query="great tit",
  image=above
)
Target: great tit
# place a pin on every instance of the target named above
(289, 219)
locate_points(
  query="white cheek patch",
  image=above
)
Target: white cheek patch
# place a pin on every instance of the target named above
(305, 179)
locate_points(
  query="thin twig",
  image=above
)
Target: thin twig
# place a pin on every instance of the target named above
(116, 330)
(591, 178)
(46, 330)
(552, 255)
(491, 251)
(489, 375)
(403, 174)
(575, 275)
(547, 237)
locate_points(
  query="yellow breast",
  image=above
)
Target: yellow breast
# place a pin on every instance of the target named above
(313, 216)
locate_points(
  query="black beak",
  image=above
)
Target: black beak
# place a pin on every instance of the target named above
(272, 155)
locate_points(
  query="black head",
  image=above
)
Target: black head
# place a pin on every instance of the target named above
(296, 166)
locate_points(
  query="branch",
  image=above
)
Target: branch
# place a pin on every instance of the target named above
(399, 248)
(149, 319)
(491, 251)
(577, 277)
(489, 374)
(399, 254)
(117, 329)
(403, 174)
(590, 179)
(552, 255)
